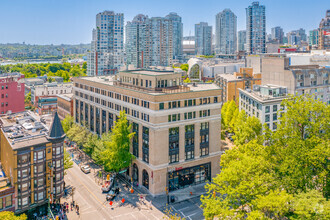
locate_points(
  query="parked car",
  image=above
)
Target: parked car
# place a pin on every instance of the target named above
(112, 194)
(231, 138)
(108, 185)
(85, 169)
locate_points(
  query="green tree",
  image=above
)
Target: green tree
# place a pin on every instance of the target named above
(247, 129)
(277, 180)
(187, 80)
(91, 143)
(229, 113)
(67, 123)
(27, 99)
(184, 67)
(78, 134)
(311, 205)
(6, 215)
(299, 149)
(117, 155)
(68, 163)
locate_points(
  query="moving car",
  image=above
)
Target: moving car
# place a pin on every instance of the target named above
(86, 169)
(112, 194)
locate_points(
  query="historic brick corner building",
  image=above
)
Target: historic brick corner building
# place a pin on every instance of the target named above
(32, 158)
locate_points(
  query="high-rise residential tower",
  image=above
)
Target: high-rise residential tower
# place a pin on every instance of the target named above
(226, 32)
(256, 28)
(177, 32)
(241, 42)
(149, 42)
(314, 37)
(107, 46)
(278, 34)
(324, 32)
(203, 38)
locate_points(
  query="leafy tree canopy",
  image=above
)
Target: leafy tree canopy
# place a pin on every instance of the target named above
(286, 177)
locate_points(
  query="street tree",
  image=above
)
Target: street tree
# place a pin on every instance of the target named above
(6, 215)
(287, 178)
(68, 163)
(299, 149)
(117, 155)
(67, 123)
(229, 114)
(247, 129)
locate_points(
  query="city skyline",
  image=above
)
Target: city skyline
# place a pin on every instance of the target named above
(72, 22)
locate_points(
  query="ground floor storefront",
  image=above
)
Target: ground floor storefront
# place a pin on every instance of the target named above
(174, 176)
(189, 176)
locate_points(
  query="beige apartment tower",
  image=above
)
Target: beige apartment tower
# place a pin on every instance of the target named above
(177, 127)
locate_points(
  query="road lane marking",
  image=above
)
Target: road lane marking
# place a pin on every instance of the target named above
(89, 190)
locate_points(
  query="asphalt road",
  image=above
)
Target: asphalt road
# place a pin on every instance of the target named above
(93, 204)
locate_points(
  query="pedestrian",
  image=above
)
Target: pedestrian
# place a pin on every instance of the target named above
(67, 206)
(77, 209)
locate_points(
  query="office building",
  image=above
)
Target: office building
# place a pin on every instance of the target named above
(32, 158)
(225, 32)
(230, 83)
(264, 103)
(203, 39)
(324, 32)
(277, 34)
(177, 127)
(149, 42)
(107, 46)
(12, 93)
(314, 37)
(241, 41)
(256, 28)
(177, 35)
(296, 37)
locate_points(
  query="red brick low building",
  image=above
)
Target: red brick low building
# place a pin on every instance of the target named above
(11, 93)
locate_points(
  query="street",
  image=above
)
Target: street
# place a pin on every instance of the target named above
(93, 204)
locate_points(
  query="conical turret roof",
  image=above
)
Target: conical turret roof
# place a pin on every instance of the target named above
(56, 129)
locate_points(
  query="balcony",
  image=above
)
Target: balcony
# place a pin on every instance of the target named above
(190, 134)
(204, 145)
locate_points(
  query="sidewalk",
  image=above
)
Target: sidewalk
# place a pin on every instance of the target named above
(179, 195)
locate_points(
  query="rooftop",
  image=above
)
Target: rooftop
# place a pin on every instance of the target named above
(267, 93)
(66, 97)
(151, 72)
(25, 129)
(190, 87)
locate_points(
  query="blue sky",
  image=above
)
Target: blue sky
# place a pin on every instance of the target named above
(72, 21)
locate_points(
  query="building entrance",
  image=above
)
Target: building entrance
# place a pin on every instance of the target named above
(189, 176)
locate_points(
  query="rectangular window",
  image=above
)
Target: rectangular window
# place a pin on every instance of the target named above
(267, 109)
(267, 118)
(136, 139)
(161, 106)
(174, 145)
(145, 144)
(189, 142)
(274, 116)
(204, 139)
(8, 201)
(274, 108)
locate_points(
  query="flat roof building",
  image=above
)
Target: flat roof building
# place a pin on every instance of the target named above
(64, 105)
(177, 126)
(32, 158)
(264, 103)
(231, 83)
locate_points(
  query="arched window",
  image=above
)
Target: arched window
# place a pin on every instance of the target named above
(135, 173)
(145, 179)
